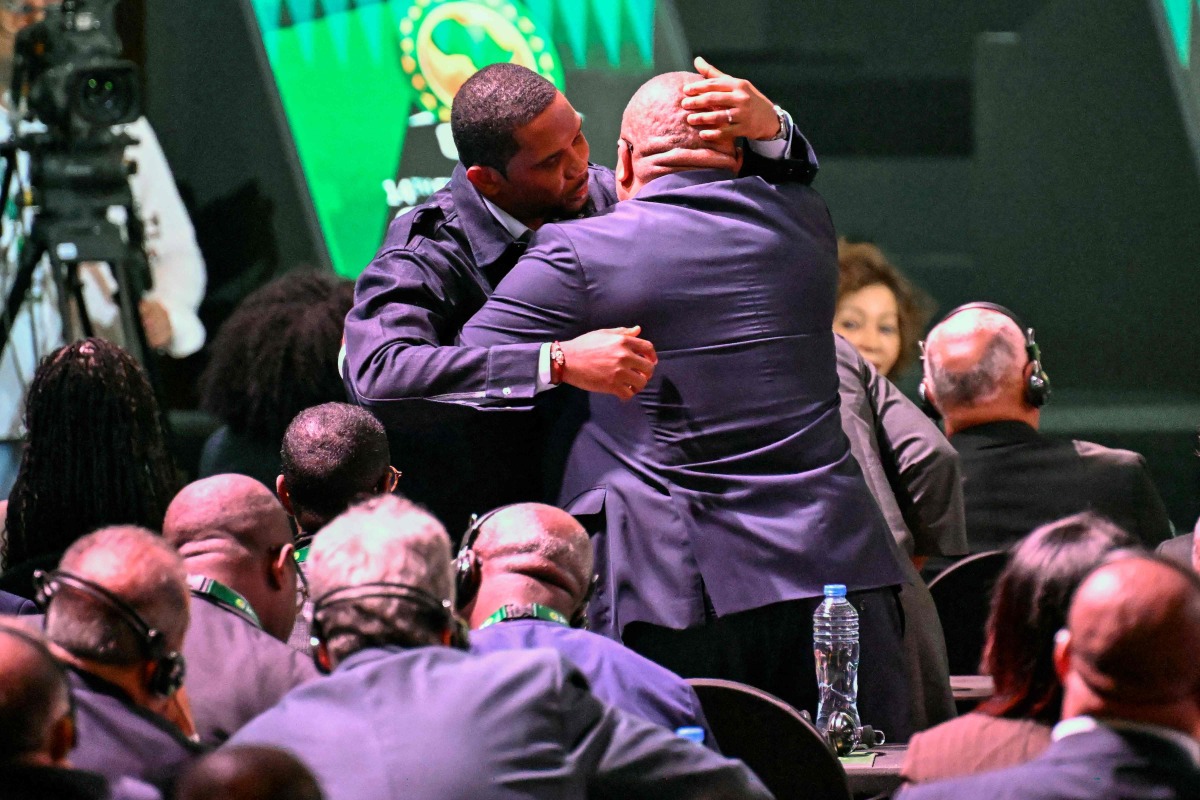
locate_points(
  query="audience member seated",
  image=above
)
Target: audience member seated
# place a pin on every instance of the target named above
(116, 615)
(914, 476)
(1182, 549)
(333, 455)
(1029, 606)
(983, 373)
(878, 310)
(37, 728)
(524, 580)
(404, 713)
(237, 548)
(248, 773)
(1131, 695)
(275, 356)
(96, 455)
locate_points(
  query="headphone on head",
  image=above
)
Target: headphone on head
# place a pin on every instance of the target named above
(168, 665)
(440, 611)
(1037, 385)
(467, 568)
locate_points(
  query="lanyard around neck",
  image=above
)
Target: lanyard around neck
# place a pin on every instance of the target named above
(225, 597)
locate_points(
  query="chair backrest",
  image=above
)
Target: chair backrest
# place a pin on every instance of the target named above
(962, 593)
(773, 739)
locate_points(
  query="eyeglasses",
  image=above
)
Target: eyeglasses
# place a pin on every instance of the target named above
(302, 592)
(391, 479)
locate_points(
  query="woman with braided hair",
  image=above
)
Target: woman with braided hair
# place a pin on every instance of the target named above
(95, 455)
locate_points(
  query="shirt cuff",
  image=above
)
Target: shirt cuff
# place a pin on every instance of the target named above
(543, 376)
(775, 149)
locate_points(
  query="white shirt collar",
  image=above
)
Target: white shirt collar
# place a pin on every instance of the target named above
(510, 223)
(1074, 725)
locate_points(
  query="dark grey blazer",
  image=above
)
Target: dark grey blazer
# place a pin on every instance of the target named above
(433, 723)
(1096, 765)
(729, 475)
(913, 473)
(235, 671)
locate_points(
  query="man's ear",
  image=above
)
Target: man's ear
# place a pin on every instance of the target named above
(285, 497)
(624, 170)
(278, 567)
(487, 180)
(740, 156)
(1062, 654)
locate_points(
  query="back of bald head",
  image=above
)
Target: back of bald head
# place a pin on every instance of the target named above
(975, 356)
(223, 512)
(34, 693)
(540, 541)
(248, 772)
(141, 569)
(655, 125)
(1134, 636)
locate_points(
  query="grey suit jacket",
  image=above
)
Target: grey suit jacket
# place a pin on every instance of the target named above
(1096, 765)
(235, 671)
(728, 478)
(441, 724)
(913, 473)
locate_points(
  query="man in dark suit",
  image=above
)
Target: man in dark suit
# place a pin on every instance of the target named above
(116, 615)
(524, 162)
(983, 374)
(725, 497)
(1131, 695)
(405, 715)
(236, 545)
(527, 580)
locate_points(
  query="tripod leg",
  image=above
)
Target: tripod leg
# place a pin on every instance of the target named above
(31, 254)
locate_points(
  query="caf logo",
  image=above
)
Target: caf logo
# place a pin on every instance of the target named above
(444, 42)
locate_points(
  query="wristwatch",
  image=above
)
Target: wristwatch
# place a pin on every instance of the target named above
(784, 128)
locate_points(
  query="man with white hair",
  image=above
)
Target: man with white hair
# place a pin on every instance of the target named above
(420, 718)
(984, 376)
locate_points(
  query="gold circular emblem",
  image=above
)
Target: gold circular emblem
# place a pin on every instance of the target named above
(444, 42)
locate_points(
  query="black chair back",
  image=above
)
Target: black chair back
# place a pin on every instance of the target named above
(773, 739)
(962, 593)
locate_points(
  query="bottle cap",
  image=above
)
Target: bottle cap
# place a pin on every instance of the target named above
(691, 733)
(835, 590)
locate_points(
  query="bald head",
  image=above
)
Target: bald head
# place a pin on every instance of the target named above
(655, 127)
(33, 697)
(532, 553)
(1133, 634)
(223, 512)
(232, 529)
(975, 369)
(248, 772)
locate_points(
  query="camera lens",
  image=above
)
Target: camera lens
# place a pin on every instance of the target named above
(106, 96)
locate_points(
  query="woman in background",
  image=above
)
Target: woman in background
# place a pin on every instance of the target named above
(1029, 606)
(878, 310)
(96, 455)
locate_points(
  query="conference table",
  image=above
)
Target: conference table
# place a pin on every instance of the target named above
(868, 777)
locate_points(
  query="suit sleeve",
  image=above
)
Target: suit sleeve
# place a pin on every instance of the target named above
(399, 335)
(543, 299)
(1153, 524)
(783, 170)
(626, 757)
(923, 469)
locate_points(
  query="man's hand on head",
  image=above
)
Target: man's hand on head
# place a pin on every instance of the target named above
(725, 107)
(610, 360)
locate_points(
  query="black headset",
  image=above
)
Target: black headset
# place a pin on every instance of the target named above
(466, 564)
(1037, 385)
(440, 611)
(169, 668)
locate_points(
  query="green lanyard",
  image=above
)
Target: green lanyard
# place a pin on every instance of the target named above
(302, 554)
(225, 597)
(532, 611)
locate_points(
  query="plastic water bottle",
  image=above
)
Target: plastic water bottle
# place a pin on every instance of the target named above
(835, 646)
